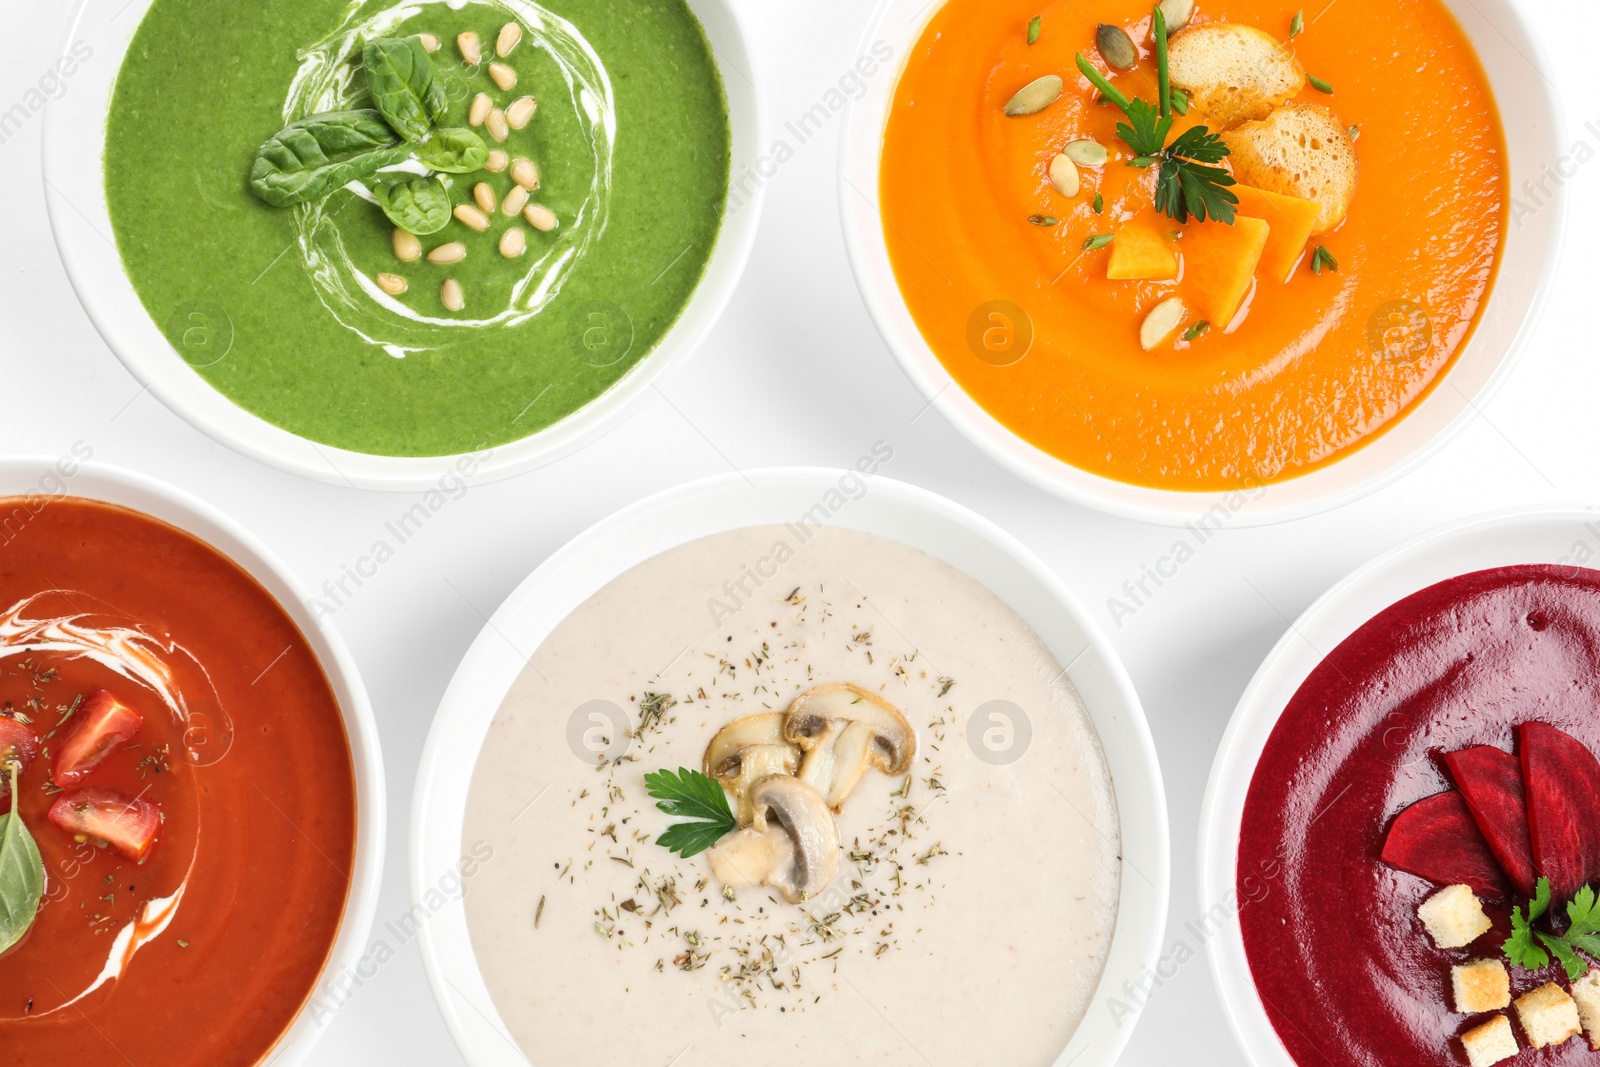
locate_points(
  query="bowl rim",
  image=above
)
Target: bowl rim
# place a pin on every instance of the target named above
(1497, 538)
(860, 140)
(79, 225)
(26, 477)
(637, 532)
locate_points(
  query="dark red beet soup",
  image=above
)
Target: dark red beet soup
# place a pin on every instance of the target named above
(1347, 971)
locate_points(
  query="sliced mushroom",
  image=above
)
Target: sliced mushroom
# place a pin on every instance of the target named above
(845, 731)
(792, 844)
(748, 750)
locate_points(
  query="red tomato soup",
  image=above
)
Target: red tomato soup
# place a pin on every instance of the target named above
(188, 782)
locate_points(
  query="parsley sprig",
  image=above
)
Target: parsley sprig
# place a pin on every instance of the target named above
(1531, 949)
(696, 797)
(1189, 184)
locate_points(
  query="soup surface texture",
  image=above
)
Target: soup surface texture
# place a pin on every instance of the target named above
(992, 259)
(278, 308)
(975, 899)
(1343, 964)
(202, 954)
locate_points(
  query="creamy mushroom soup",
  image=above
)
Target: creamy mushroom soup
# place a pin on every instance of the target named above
(885, 831)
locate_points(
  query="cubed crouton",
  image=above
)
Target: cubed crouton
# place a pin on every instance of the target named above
(1298, 150)
(1233, 73)
(1548, 1016)
(1483, 985)
(1454, 917)
(1586, 993)
(1490, 1043)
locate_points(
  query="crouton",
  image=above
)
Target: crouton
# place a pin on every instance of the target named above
(1299, 150)
(1548, 1016)
(1454, 917)
(1490, 1043)
(1233, 73)
(1586, 993)
(1483, 985)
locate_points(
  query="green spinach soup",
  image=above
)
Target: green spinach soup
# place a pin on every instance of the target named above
(416, 227)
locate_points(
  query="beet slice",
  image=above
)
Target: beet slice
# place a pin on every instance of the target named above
(1490, 780)
(1436, 839)
(1563, 785)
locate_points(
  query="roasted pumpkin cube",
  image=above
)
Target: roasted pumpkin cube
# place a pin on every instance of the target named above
(1144, 250)
(1219, 263)
(1292, 220)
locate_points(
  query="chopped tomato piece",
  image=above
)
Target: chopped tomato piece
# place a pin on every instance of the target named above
(17, 745)
(127, 824)
(104, 725)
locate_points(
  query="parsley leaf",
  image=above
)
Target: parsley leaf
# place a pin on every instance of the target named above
(1147, 135)
(1541, 900)
(1575, 967)
(1521, 948)
(693, 796)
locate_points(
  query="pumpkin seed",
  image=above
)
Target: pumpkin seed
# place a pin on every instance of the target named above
(520, 113)
(1177, 13)
(429, 41)
(1116, 47)
(515, 200)
(498, 161)
(495, 123)
(540, 217)
(1035, 96)
(481, 106)
(1098, 241)
(483, 193)
(470, 216)
(503, 76)
(513, 243)
(471, 51)
(392, 284)
(407, 248)
(1064, 176)
(1159, 324)
(451, 296)
(454, 252)
(1086, 152)
(510, 37)
(524, 173)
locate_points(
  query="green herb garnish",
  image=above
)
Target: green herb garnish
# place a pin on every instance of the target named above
(692, 796)
(21, 869)
(1297, 24)
(1319, 85)
(1526, 947)
(1034, 25)
(1043, 220)
(404, 86)
(1196, 330)
(1320, 258)
(1099, 240)
(1180, 101)
(1099, 203)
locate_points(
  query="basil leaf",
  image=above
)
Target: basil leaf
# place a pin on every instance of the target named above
(454, 150)
(308, 159)
(404, 86)
(421, 205)
(21, 874)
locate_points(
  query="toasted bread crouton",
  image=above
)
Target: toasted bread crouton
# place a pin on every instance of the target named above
(1586, 992)
(1299, 150)
(1548, 1016)
(1233, 73)
(1483, 985)
(1490, 1043)
(1454, 917)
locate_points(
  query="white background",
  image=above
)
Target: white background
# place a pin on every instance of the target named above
(794, 374)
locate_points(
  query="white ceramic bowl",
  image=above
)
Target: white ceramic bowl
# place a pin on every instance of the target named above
(75, 198)
(1514, 60)
(1504, 539)
(67, 477)
(890, 509)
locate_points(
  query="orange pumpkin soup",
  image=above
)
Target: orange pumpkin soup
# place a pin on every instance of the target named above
(1294, 331)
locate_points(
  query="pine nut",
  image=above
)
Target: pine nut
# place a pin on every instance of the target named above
(468, 215)
(503, 76)
(495, 123)
(471, 50)
(513, 243)
(407, 247)
(520, 113)
(498, 161)
(451, 296)
(481, 106)
(515, 200)
(510, 37)
(429, 41)
(392, 284)
(524, 173)
(483, 193)
(454, 252)
(540, 217)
